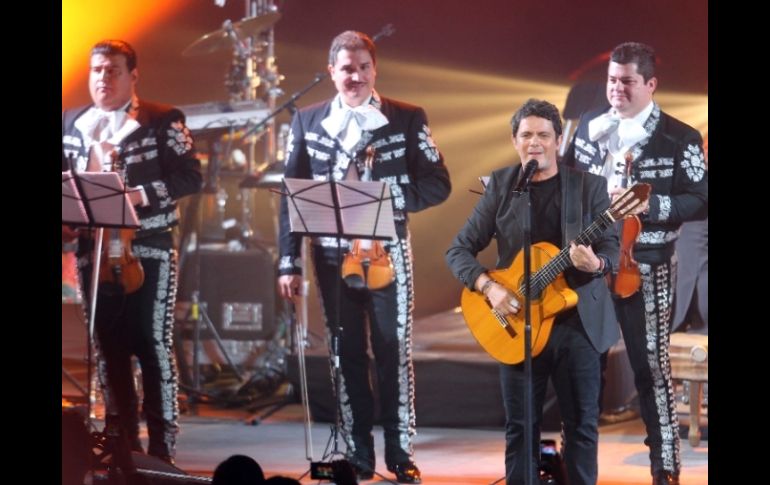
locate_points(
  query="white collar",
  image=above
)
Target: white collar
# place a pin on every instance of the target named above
(619, 134)
(367, 115)
(122, 122)
(642, 116)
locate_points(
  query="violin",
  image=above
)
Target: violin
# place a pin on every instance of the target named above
(119, 267)
(367, 264)
(627, 280)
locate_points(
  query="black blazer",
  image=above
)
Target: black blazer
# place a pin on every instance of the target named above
(159, 156)
(498, 215)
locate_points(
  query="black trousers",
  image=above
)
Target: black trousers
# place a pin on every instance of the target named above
(382, 318)
(140, 324)
(572, 363)
(645, 320)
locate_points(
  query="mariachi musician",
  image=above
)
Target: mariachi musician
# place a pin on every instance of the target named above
(333, 136)
(150, 146)
(635, 137)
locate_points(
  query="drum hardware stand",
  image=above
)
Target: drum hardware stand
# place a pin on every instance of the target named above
(198, 310)
(254, 76)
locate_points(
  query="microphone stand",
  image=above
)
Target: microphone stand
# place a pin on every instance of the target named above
(336, 328)
(528, 411)
(290, 103)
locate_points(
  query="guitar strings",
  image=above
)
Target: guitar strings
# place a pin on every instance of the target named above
(542, 278)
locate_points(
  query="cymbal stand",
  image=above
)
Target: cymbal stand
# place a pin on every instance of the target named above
(254, 76)
(198, 311)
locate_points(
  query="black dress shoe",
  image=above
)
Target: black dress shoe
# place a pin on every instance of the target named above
(136, 446)
(406, 472)
(167, 458)
(664, 477)
(362, 473)
(363, 467)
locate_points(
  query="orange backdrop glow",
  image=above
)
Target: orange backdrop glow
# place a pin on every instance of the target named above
(86, 22)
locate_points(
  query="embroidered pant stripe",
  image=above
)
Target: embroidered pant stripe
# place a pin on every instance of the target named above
(163, 428)
(658, 283)
(140, 324)
(401, 254)
(389, 312)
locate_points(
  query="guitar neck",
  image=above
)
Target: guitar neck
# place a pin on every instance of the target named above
(562, 261)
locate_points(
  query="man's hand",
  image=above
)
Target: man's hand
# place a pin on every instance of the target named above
(68, 234)
(135, 196)
(584, 259)
(288, 285)
(502, 301)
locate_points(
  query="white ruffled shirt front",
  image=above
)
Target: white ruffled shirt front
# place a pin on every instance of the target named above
(103, 131)
(618, 135)
(347, 124)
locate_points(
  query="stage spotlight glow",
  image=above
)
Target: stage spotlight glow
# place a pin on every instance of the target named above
(86, 22)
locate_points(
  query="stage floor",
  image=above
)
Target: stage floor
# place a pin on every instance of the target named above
(445, 455)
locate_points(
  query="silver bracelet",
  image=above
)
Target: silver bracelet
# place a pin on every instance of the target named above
(486, 286)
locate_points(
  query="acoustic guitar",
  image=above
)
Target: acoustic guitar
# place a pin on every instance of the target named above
(502, 337)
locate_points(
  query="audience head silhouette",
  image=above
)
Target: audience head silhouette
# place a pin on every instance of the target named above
(238, 470)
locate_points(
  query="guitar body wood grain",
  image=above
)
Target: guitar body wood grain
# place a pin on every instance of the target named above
(506, 344)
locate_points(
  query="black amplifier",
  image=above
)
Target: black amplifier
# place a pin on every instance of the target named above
(237, 292)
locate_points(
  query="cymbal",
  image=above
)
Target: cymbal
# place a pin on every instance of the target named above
(219, 39)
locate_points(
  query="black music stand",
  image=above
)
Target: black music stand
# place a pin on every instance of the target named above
(351, 210)
(97, 200)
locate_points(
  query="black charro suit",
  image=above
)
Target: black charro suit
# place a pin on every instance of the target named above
(671, 160)
(158, 154)
(571, 357)
(412, 166)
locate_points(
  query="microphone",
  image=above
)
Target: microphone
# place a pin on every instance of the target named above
(525, 176)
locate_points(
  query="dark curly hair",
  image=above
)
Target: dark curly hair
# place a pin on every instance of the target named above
(351, 40)
(640, 54)
(539, 108)
(112, 47)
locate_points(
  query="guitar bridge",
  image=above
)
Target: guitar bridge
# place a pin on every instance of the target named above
(500, 319)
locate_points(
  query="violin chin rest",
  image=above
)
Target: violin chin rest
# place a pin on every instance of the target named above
(355, 281)
(353, 273)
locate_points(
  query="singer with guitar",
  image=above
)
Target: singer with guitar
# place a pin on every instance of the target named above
(149, 145)
(579, 333)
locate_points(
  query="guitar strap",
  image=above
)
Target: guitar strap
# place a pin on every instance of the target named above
(572, 206)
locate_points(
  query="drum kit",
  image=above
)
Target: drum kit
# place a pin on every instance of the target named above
(253, 74)
(238, 139)
(240, 133)
(248, 117)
